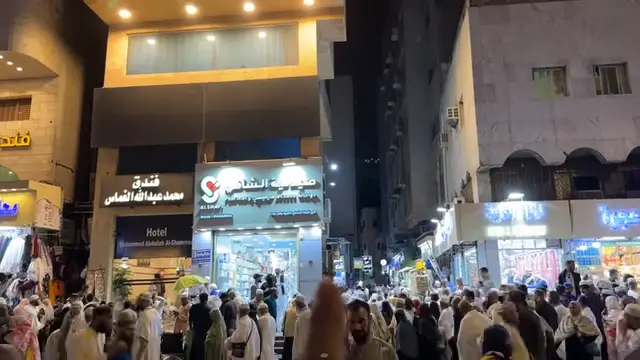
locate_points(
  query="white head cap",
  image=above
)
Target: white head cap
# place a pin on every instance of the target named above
(34, 298)
(259, 291)
(262, 306)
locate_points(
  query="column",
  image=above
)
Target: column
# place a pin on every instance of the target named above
(203, 241)
(489, 257)
(102, 236)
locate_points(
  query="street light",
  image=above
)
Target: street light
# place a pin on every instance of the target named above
(515, 196)
(332, 184)
(441, 209)
(334, 167)
(435, 221)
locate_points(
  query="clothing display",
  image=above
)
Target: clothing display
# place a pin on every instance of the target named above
(12, 260)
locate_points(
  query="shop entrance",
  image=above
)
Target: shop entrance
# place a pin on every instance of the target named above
(238, 256)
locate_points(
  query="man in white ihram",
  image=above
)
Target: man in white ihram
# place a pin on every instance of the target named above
(246, 332)
(146, 342)
(302, 328)
(268, 329)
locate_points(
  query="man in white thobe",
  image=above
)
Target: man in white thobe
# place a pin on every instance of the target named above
(268, 329)
(302, 328)
(32, 309)
(146, 343)
(471, 330)
(246, 332)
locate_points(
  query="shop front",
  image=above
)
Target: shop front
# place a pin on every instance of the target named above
(28, 211)
(141, 235)
(518, 241)
(152, 248)
(260, 217)
(606, 235)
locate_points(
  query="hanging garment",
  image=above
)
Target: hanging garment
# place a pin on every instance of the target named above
(12, 261)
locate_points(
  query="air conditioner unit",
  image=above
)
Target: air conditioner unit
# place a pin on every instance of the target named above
(444, 140)
(458, 200)
(391, 104)
(453, 113)
(394, 34)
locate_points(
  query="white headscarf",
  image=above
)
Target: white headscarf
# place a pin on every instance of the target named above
(614, 310)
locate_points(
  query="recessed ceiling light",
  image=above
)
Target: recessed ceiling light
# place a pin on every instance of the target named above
(262, 34)
(1, 57)
(124, 13)
(309, 2)
(211, 38)
(249, 6)
(9, 63)
(191, 9)
(19, 68)
(151, 41)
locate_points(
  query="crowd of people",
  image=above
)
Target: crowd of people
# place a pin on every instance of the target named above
(577, 320)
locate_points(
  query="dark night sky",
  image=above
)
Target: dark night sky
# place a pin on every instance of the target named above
(361, 57)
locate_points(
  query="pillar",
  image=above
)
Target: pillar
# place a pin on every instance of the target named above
(102, 234)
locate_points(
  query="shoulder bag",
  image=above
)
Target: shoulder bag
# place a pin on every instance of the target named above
(238, 349)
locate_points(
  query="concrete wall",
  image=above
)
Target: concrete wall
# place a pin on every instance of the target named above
(104, 219)
(56, 102)
(497, 48)
(341, 151)
(462, 153)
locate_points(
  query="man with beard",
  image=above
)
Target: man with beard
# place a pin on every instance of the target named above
(362, 344)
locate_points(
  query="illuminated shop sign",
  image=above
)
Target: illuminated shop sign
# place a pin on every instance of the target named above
(515, 219)
(619, 220)
(8, 210)
(258, 194)
(15, 141)
(444, 228)
(143, 190)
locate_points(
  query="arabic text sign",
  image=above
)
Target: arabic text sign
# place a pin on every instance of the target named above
(15, 141)
(263, 193)
(605, 218)
(202, 256)
(146, 190)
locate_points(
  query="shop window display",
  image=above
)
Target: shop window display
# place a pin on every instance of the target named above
(466, 267)
(529, 262)
(595, 258)
(240, 256)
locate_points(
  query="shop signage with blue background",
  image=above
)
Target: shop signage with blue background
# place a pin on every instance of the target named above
(268, 194)
(159, 236)
(201, 256)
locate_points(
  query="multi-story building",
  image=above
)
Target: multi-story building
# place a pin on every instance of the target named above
(233, 90)
(417, 47)
(541, 107)
(372, 246)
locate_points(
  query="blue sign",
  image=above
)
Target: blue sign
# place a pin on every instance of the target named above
(148, 237)
(619, 220)
(202, 256)
(7, 210)
(514, 211)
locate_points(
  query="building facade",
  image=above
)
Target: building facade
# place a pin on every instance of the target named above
(41, 92)
(213, 112)
(417, 47)
(372, 246)
(339, 156)
(540, 105)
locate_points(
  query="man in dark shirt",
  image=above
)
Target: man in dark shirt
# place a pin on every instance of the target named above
(544, 309)
(229, 313)
(530, 326)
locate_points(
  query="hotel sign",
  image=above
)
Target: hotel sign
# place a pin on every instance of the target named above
(146, 190)
(258, 194)
(15, 141)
